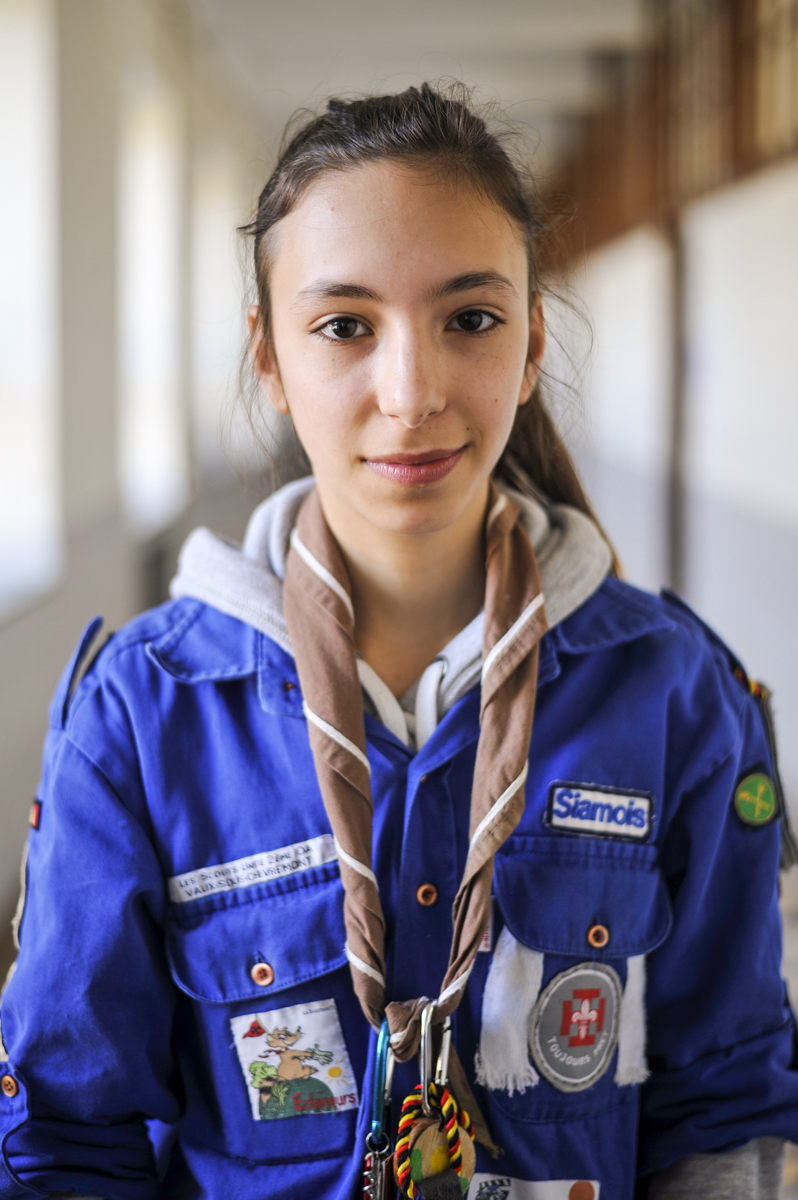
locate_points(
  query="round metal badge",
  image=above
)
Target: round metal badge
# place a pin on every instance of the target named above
(575, 1026)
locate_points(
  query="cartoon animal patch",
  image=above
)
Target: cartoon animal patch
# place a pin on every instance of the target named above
(295, 1061)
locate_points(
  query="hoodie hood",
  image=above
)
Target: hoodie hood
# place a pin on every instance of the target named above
(247, 582)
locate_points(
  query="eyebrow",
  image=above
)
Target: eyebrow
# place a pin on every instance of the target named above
(331, 289)
(470, 280)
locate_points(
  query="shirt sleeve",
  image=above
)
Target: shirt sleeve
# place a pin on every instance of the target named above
(751, 1172)
(721, 1033)
(87, 1015)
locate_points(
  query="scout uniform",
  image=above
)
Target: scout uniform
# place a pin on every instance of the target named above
(186, 1001)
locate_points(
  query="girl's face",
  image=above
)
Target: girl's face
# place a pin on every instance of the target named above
(402, 343)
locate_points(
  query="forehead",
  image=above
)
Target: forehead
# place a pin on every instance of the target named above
(412, 224)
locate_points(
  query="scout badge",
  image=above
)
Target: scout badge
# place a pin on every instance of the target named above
(319, 613)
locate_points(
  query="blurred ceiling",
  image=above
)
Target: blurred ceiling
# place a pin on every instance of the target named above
(544, 61)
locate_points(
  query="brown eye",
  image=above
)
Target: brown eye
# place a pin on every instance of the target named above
(475, 320)
(342, 329)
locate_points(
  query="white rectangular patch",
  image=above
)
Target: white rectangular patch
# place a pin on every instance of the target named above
(257, 868)
(503, 1187)
(599, 811)
(295, 1061)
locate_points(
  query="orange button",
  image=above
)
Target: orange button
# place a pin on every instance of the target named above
(426, 894)
(9, 1085)
(598, 936)
(262, 974)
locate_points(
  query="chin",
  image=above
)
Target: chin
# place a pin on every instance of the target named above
(419, 511)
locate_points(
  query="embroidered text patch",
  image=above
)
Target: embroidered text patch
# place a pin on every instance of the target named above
(599, 811)
(503, 1187)
(295, 1061)
(258, 868)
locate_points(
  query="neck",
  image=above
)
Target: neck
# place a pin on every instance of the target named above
(411, 592)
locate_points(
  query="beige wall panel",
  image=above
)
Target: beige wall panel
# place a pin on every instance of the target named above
(88, 256)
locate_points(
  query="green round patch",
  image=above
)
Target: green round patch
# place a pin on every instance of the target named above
(755, 800)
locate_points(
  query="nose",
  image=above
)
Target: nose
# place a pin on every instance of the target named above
(410, 385)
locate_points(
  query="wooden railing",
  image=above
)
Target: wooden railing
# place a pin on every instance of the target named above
(713, 97)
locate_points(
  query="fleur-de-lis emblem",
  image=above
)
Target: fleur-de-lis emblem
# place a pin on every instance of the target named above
(584, 1017)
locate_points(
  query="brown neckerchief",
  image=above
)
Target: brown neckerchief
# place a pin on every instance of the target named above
(320, 618)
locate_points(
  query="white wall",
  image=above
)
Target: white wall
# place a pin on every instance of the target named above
(128, 102)
(152, 440)
(741, 255)
(622, 445)
(30, 510)
(218, 327)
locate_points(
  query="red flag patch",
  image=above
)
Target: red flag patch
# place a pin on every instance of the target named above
(255, 1030)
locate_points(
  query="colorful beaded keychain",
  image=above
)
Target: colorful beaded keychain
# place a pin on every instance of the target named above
(426, 1152)
(435, 1157)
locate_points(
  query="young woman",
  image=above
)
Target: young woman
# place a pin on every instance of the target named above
(308, 793)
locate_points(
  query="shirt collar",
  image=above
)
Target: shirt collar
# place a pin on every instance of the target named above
(205, 645)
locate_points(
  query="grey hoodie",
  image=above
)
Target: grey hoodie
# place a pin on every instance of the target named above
(247, 583)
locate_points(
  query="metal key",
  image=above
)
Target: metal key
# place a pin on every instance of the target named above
(377, 1174)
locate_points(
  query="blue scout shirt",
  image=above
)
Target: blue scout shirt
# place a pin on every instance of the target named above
(182, 944)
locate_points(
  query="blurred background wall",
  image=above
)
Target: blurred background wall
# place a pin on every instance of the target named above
(134, 137)
(125, 167)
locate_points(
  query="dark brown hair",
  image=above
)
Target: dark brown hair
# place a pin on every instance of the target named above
(437, 130)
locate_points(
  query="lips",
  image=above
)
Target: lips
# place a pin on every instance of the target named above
(427, 467)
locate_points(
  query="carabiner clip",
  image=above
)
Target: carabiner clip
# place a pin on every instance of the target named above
(376, 1168)
(425, 1054)
(383, 1077)
(442, 1069)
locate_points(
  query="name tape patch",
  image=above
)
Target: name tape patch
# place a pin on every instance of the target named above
(504, 1187)
(257, 868)
(295, 1062)
(599, 811)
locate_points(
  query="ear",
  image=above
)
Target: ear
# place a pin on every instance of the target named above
(535, 348)
(264, 361)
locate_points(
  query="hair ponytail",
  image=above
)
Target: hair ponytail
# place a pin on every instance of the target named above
(439, 131)
(536, 462)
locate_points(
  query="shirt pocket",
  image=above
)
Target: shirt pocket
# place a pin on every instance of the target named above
(553, 891)
(553, 894)
(274, 1057)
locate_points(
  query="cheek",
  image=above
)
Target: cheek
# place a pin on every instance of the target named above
(492, 385)
(324, 405)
